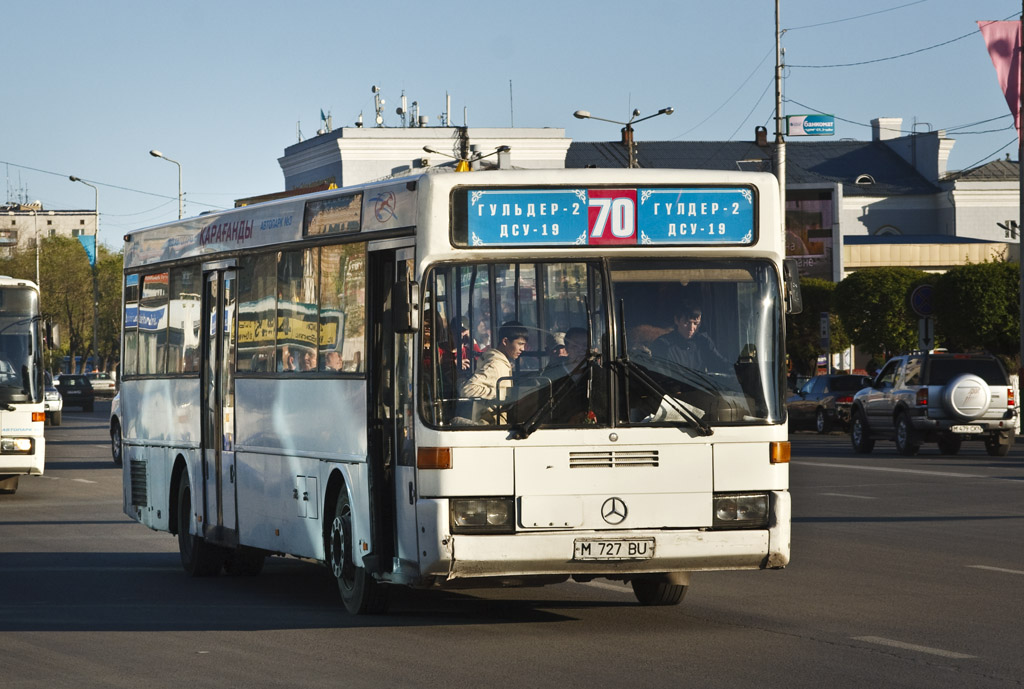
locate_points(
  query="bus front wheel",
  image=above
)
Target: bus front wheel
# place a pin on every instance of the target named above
(9, 484)
(658, 592)
(198, 558)
(360, 592)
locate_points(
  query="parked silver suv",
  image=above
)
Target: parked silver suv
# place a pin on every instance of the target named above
(936, 397)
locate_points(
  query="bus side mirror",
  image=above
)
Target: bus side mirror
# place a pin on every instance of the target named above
(50, 335)
(791, 277)
(405, 307)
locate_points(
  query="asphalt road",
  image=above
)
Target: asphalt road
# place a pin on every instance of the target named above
(906, 572)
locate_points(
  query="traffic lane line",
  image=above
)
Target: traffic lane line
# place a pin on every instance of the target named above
(893, 643)
(922, 472)
(850, 495)
(997, 569)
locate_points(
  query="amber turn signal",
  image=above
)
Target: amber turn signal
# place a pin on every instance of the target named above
(779, 452)
(434, 458)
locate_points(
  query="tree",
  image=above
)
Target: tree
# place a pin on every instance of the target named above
(803, 330)
(66, 292)
(976, 306)
(872, 304)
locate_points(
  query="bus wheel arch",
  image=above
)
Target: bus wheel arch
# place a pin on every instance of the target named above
(198, 557)
(360, 592)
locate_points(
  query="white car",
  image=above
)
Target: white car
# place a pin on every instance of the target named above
(102, 383)
(53, 402)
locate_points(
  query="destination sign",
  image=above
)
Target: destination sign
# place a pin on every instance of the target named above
(691, 216)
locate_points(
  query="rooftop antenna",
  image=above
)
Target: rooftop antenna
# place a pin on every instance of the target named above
(414, 121)
(298, 130)
(445, 121)
(511, 107)
(378, 105)
(359, 120)
(402, 110)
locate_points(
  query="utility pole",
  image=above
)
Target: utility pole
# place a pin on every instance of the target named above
(780, 142)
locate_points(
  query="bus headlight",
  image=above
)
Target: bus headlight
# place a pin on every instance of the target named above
(16, 446)
(483, 515)
(741, 511)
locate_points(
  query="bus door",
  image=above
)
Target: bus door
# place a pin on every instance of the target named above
(391, 442)
(218, 405)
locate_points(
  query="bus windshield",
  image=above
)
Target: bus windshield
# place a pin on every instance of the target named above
(19, 346)
(609, 342)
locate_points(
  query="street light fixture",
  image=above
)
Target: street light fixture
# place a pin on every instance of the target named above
(95, 277)
(627, 130)
(157, 154)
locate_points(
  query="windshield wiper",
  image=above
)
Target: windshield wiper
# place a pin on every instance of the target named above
(524, 430)
(631, 368)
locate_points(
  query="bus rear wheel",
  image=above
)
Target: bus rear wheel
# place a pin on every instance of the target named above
(198, 558)
(657, 592)
(360, 592)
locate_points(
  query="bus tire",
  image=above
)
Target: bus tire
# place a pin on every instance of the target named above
(657, 592)
(55, 418)
(198, 558)
(115, 442)
(9, 485)
(360, 592)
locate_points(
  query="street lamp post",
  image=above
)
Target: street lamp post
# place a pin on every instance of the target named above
(157, 154)
(95, 276)
(627, 127)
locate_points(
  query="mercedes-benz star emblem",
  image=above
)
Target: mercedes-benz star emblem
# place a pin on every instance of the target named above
(614, 511)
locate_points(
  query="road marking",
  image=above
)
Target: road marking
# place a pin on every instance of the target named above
(848, 495)
(913, 647)
(620, 588)
(923, 472)
(996, 569)
(82, 480)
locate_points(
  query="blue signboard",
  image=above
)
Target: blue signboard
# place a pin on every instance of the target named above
(690, 216)
(810, 125)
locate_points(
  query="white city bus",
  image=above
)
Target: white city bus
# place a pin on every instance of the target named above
(291, 383)
(22, 410)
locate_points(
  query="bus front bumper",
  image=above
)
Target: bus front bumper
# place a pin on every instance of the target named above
(533, 553)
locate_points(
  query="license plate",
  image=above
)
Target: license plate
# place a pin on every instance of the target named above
(972, 428)
(613, 549)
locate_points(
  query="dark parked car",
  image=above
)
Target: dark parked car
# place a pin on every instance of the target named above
(76, 391)
(825, 401)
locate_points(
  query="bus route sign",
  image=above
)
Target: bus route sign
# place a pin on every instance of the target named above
(611, 217)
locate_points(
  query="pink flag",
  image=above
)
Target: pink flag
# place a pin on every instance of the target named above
(1003, 42)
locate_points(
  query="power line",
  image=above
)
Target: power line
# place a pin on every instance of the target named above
(850, 19)
(892, 57)
(900, 131)
(108, 185)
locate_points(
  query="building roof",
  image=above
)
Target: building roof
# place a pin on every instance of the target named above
(881, 171)
(993, 171)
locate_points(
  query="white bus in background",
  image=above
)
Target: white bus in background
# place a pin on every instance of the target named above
(22, 409)
(318, 411)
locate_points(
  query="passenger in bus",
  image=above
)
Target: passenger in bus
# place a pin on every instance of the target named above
(308, 359)
(496, 363)
(463, 349)
(585, 401)
(687, 347)
(287, 362)
(332, 360)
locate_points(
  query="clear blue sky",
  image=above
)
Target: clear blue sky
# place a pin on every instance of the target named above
(220, 86)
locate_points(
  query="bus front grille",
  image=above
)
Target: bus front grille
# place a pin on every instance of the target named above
(613, 458)
(140, 496)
